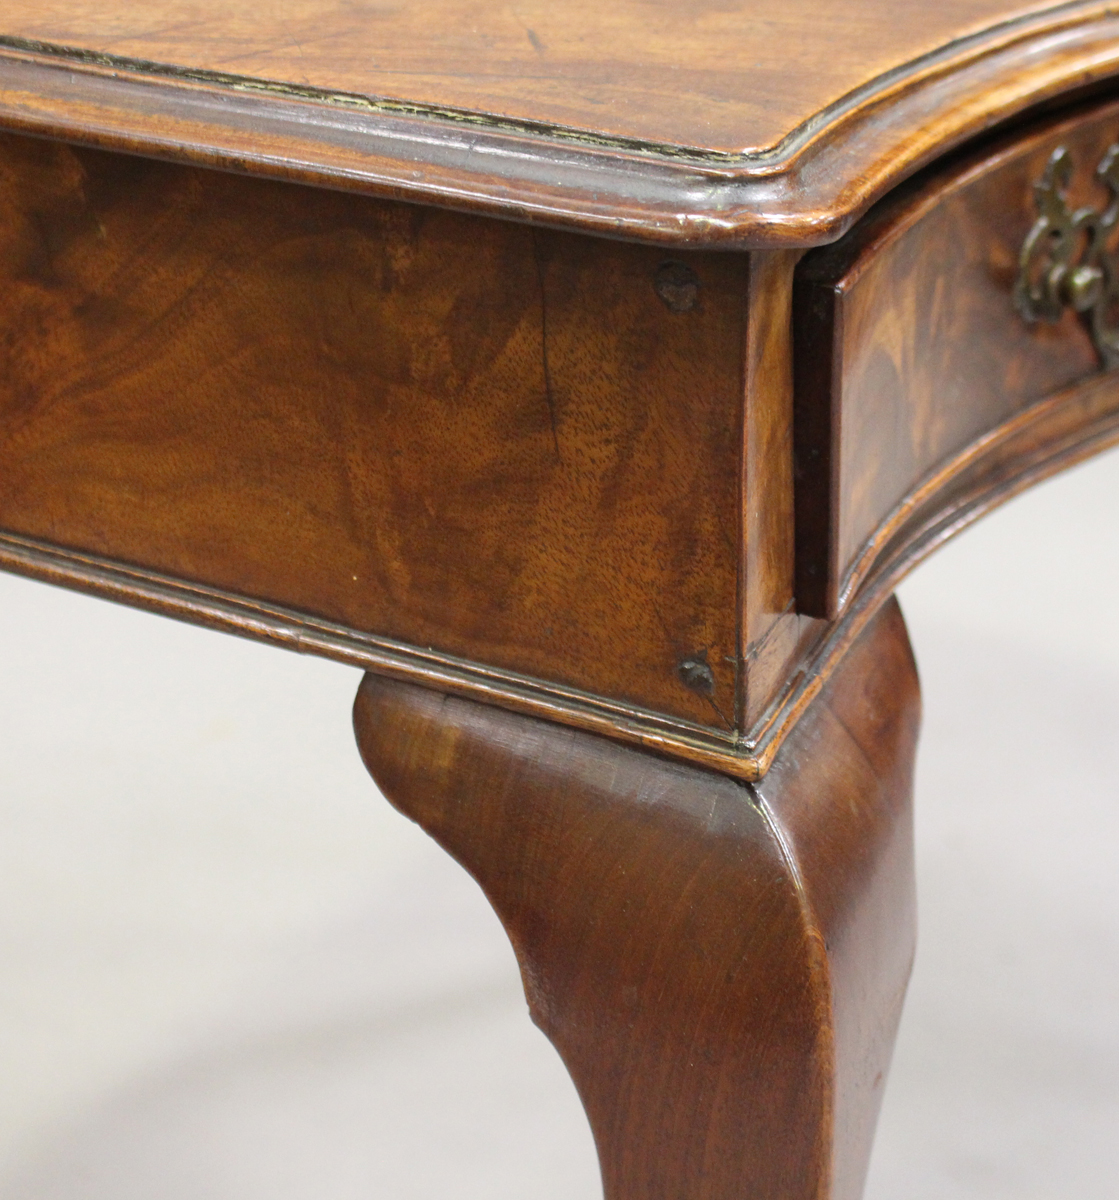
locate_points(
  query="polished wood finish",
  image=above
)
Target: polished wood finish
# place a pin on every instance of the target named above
(585, 507)
(731, 124)
(538, 396)
(720, 965)
(491, 442)
(775, 635)
(692, 74)
(910, 350)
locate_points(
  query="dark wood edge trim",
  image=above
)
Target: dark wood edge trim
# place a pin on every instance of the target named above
(817, 349)
(806, 191)
(306, 634)
(1049, 437)
(751, 288)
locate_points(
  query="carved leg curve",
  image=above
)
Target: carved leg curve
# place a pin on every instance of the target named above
(720, 965)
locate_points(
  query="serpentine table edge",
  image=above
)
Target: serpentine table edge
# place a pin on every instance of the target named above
(603, 455)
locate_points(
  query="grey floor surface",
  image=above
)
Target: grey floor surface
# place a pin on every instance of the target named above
(229, 971)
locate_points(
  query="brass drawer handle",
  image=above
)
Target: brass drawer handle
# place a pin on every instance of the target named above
(1065, 260)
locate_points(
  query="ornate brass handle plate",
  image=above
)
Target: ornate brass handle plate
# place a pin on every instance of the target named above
(1065, 260)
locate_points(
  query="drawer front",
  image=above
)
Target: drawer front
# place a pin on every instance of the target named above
(915, 350)
(518, 448)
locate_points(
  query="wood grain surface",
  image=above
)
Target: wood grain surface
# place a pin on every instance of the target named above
(720, 966)
(693, 123)
(550, 470)
(910, 349)
(517, 447)
(715, 75)
(775, 635)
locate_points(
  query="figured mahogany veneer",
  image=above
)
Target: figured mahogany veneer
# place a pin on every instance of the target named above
(470, 437)
(538, 467)
(487, 348)
(910, 353)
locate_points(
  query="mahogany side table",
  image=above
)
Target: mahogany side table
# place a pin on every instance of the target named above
(589, 375)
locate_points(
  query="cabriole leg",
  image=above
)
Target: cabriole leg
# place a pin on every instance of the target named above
(720, 965)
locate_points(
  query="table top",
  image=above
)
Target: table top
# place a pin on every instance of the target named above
(718, 77)
(715, 123)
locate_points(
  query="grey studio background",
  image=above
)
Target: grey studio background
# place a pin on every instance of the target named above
(229, 971)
